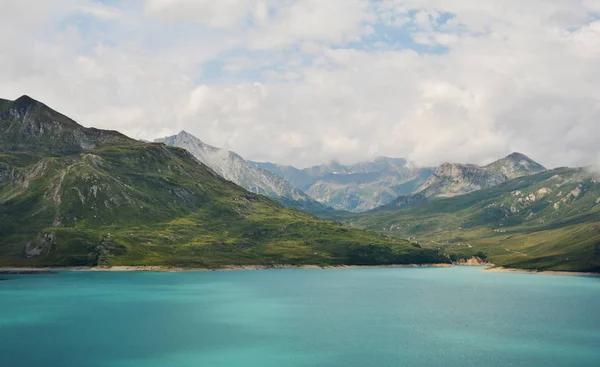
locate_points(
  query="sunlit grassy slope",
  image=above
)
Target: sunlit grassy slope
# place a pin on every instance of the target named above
(549, 220)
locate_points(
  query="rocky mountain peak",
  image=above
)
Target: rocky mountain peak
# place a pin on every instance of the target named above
(236, 169)
(455, 170)
(448, 169)
(515, 165)
(27, 124)
(452, 179)
(24, 103)
(518, 156)
(185, 134)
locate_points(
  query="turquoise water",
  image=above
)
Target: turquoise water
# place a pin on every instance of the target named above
(367, 317)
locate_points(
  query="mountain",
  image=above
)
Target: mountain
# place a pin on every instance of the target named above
(549, 220)
(75, 196)
(234, 168)
(30, 125)
(356, 187)
(297, 177)
(453, 179)
(515, 165)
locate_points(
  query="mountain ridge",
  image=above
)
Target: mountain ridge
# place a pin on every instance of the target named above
(354, 187)
(455, 179)
(28, 124)
(234, 168)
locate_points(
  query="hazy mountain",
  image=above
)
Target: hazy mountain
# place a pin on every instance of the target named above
(71, 196)
(300, 179)
(453, 179)
(549, 220)
(355, 187)
(234, 168)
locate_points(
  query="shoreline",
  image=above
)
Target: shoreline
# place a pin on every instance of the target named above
(501, 269)
(168, 269)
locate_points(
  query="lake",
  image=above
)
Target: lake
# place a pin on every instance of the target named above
(457, 316)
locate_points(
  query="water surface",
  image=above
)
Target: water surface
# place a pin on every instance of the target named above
(356, 317)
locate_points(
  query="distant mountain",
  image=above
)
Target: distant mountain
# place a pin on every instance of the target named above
(234, 168)
(74, 196)
(300, 179)
(355, 187)
(453, 179)
(546, 221)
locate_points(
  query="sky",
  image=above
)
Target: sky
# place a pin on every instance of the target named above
(304, 82)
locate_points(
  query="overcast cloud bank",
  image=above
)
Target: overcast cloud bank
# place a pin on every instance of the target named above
(305, 81)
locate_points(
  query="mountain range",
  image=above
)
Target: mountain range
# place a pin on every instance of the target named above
(234, 168)
(77, 196)
(371, 185)
(454, 179)
(355, 187)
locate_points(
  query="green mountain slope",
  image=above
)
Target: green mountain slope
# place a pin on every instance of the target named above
(550, 220)
(73, 196)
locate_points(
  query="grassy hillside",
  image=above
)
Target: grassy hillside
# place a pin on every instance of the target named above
(546, 221)
(123, 202)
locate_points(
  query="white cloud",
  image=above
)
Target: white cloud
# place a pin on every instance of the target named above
(306, 81)
(217, 14)
(331, 22)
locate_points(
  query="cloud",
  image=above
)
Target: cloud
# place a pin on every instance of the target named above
(304, 81)
(329, 22)
(595, 167)
(217, 14)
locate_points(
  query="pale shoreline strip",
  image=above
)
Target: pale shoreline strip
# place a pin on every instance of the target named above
(500, 269)
(166, 269)
(151, 268)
